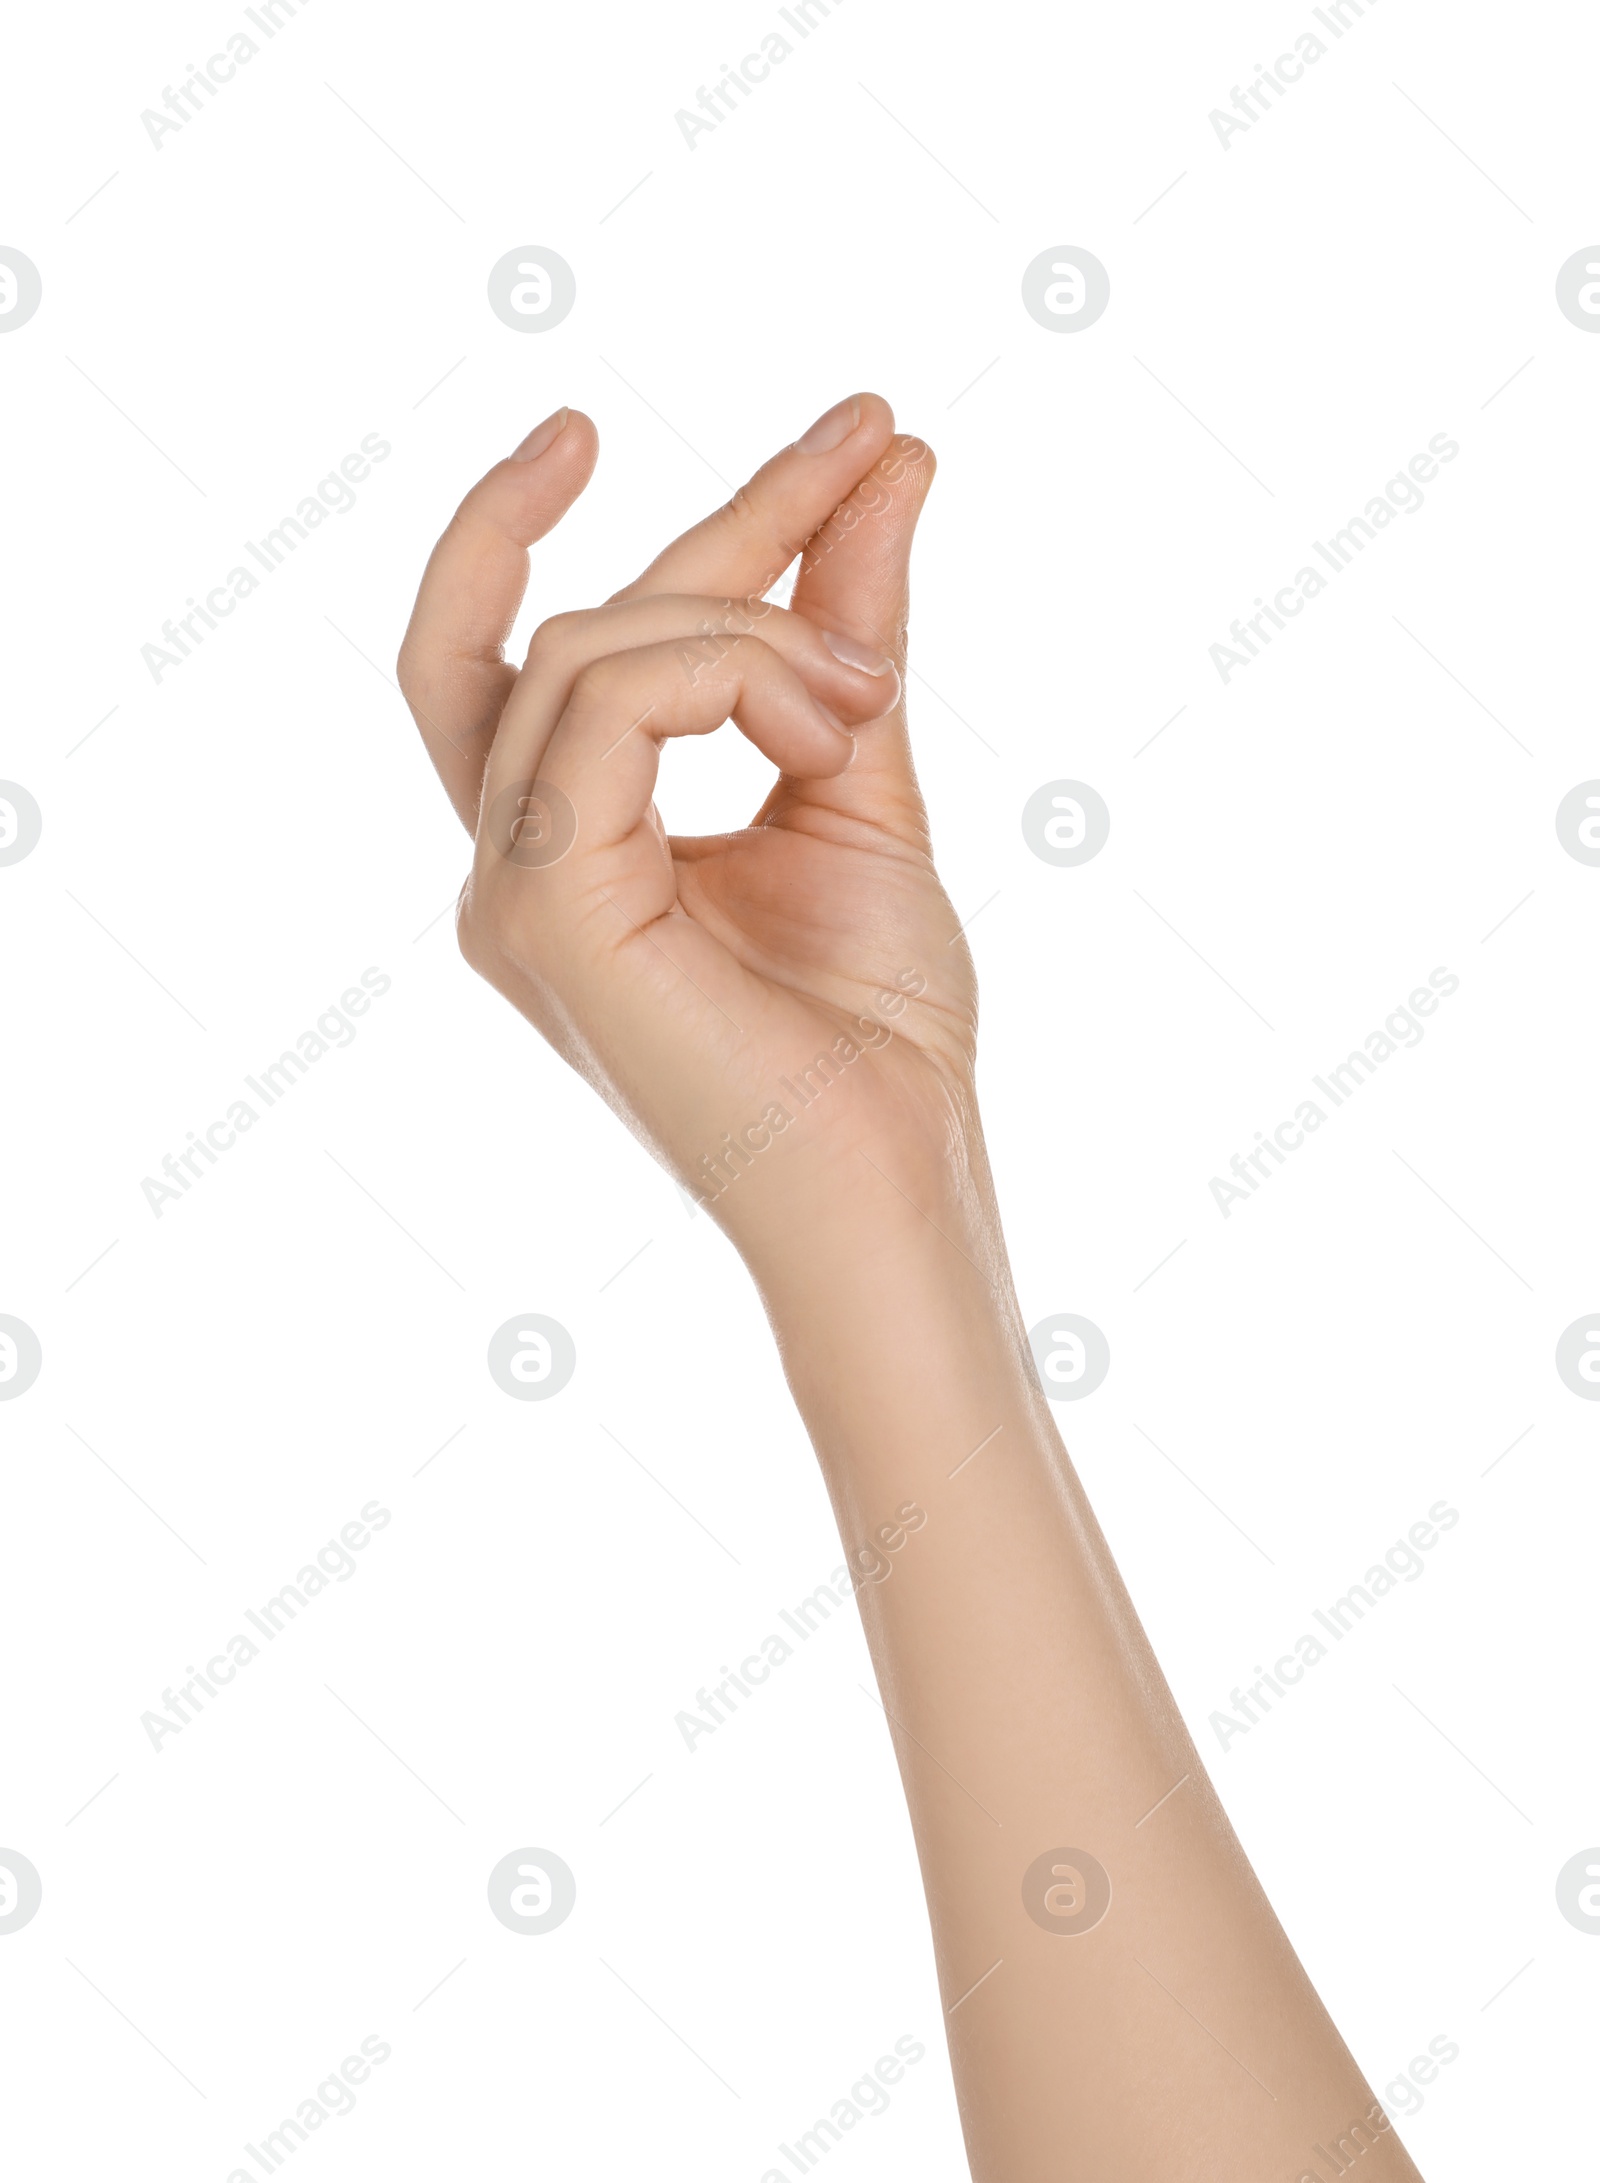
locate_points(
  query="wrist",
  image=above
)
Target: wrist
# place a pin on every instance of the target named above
(861, 1220)
(899, 1328)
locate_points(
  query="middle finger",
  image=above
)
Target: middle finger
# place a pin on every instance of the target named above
(852, 681)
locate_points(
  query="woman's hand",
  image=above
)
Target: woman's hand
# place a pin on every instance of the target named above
(767, 1008)
(736, 999)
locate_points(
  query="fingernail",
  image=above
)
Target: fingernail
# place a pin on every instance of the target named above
(831, 427)
(834, 721)
(856, 655)
(542, 436)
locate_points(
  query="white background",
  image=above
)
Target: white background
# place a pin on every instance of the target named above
(226, 851)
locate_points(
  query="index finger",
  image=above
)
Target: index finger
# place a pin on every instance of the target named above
(452, 668)
(743, 548)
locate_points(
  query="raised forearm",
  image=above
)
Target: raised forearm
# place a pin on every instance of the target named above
(1176, 2033)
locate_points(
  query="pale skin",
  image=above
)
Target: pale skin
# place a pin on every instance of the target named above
(693, 982)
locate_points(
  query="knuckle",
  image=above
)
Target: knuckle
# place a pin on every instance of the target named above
(705, 651)
(554, 638)
(425, 683)
(727, 620)
(732, 660)
(472, 936)
(462, 526)
(752, 513)
(485, 935)
(596, 683)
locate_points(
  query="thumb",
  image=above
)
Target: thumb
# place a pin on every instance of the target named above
(854, 580)
(854, 570)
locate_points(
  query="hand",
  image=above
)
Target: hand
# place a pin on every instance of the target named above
(696, 984)
(763, 1008)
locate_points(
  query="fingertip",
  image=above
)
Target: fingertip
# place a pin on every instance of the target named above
(876, 411)
(906, 468)
(588, 432)
(542, 436)
(915, 455)
(578, 448)
(839, 752)
(858, 423)
(821, 765)
(564, 441)
(528, 491)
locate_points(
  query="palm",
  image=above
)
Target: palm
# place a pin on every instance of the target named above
(829, 917)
